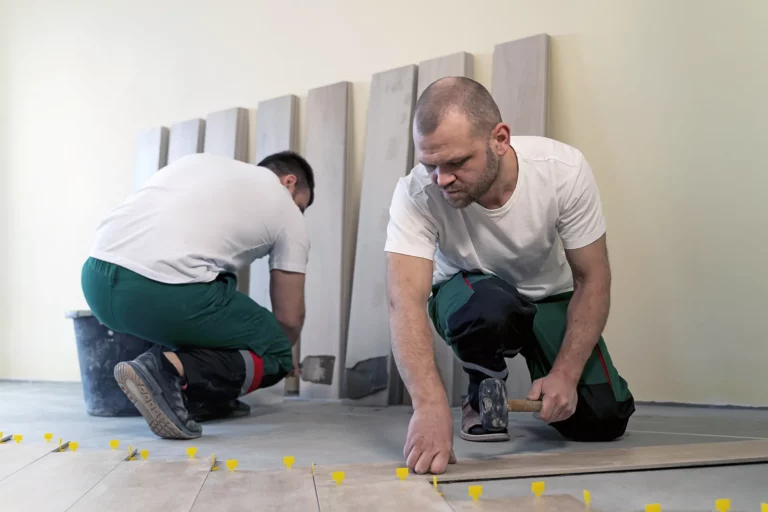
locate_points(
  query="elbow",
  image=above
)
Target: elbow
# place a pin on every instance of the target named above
(291, 321)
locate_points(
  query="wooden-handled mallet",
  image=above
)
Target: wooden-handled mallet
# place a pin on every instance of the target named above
(524, 405)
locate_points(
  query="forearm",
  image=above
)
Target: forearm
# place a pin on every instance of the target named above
(586, 319)
(291, 326)
(413, 349)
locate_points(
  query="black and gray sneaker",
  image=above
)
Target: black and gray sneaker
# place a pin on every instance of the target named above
(157, 394)
(201, 411)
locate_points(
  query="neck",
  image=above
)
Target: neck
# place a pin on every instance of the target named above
(504, 185)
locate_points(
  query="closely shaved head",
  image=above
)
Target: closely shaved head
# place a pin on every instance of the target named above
(460, 95)
(462, 142)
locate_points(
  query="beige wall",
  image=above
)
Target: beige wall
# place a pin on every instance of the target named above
(4, 241)
(666, 98)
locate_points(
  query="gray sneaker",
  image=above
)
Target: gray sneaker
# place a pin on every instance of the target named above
(157, 395)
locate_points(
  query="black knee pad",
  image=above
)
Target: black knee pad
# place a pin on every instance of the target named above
(597, 422)
(495, 317)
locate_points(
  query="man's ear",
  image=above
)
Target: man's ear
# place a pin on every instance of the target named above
(289, 182)
(500, 135)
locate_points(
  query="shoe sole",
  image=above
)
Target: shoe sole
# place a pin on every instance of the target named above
(139, 392)
(485, 438)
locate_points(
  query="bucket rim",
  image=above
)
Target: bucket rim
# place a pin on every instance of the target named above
(78, 313)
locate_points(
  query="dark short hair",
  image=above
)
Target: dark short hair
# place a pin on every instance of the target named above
(467, 96)
(290, 162)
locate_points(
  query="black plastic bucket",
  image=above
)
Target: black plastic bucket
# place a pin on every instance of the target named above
(99, 349)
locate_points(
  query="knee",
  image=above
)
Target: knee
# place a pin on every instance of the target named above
(593, 432)
(496, 312)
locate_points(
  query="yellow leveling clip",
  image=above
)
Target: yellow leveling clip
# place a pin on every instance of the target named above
(213, 463)
(401, 473)
(653, 507)
(144, 454)
(73, 445)
(17, 438)
(338, 477)
(537, 488)
(114, 443)
(191, 451)
(288, 460)
(231, 464)
(47, 436)
(723, 505)
(587, 497)
(475, 491)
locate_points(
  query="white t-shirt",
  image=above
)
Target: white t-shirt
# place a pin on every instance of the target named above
(201, 216)
(555, 205)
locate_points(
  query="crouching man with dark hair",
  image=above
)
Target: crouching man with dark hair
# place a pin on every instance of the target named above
(163, 268)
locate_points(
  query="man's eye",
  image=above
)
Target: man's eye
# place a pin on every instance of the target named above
(430, 168)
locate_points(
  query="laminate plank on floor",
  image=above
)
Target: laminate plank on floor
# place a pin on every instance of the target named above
(186, 138)
(528, 465)
(149, 486)
(151, 154)
(397, 495)
(56, 481)
(328, 280)
(370, 373)
(553, 503)
(15, 456)
(268, 491)
(226, 134)
(455, 380)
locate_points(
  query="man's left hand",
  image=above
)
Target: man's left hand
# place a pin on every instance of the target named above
(558, 395)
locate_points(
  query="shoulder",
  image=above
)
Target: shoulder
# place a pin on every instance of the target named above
(542, 150)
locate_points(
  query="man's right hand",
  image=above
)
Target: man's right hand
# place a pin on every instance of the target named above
(429, 444)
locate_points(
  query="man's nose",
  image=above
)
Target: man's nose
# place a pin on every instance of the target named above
(442, 178)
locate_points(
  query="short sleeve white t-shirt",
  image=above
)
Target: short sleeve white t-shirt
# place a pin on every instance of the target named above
(555, 206)
(201, 216)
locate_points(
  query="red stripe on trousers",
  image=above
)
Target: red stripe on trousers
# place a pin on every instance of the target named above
(605, 367)
(258, 371)
(468, 283)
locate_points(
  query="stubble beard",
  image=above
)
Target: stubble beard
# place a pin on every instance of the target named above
(481, 186)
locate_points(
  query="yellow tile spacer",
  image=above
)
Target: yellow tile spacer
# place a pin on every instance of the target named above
(114, 443)
(231, 464)
(191, 451)
(723, 505)
(61, 442)
(130, 452)
(313, 468)
(73, 445)
(338, 477)
(537, 488)
(587, 497)
(434, 481)
(47, 436)
(288, 460)
(401, 473)
(653, 507)
(144, 454)
(1, 438)
(17, 438)
(213, 463)
(475, 491)
(764, 507)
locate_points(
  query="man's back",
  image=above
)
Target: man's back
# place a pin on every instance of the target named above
(203, 215)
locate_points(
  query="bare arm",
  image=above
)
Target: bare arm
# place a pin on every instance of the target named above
(588, 309)
(409, 280)
(286, 290)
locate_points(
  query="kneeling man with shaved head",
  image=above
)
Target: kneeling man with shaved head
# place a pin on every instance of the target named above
(500, 242)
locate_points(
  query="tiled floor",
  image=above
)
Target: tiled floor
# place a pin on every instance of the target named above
(328, 434)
